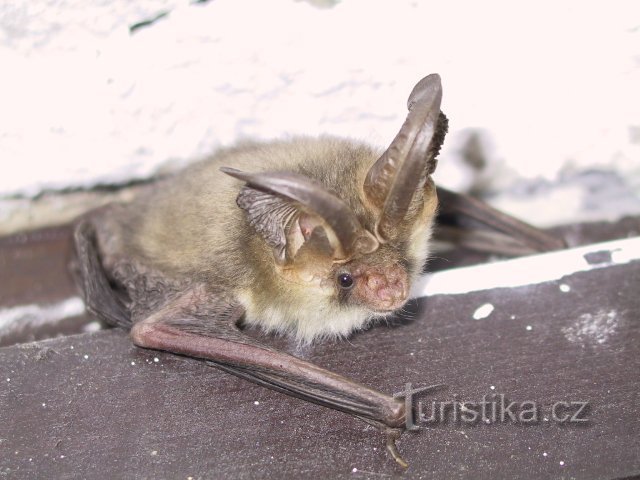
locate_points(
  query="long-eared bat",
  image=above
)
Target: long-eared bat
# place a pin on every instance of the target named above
(310, 237)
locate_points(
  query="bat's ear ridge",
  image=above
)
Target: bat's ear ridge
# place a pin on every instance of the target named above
(395, 177)
(273, 199)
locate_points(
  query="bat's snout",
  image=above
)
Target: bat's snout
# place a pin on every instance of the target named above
(384, 289)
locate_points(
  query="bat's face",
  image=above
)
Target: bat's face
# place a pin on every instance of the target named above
(349, 251)
(379, 281)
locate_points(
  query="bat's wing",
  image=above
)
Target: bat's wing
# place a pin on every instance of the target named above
(201, 323)
(471, 223)
(100, 296)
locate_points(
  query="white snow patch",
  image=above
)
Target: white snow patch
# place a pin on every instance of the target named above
(530, 270)
(483, 311)
(564, 288)
(592, 329)
(92, 327)
(35, 315)
(623, 255)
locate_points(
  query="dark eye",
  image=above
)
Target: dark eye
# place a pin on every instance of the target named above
(345, 280)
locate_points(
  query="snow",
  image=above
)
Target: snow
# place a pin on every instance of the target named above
(35, 315)
(539, 90)
(522, 271)
(483, 311)
(592, 328)
(92, 327)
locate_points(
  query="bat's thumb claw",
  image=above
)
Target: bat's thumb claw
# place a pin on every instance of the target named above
(393, 434)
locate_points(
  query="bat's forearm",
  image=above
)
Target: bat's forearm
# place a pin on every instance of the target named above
(276, 370)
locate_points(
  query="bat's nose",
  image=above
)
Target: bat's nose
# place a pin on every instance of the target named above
(386, 289)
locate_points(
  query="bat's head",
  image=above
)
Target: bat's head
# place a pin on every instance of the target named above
(353, 244)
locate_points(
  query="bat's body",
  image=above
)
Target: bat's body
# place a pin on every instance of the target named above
(190, 227)
(310, 237)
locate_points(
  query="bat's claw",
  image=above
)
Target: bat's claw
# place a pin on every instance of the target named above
(393, 434)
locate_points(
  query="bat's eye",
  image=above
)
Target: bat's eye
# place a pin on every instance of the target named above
(345, 280)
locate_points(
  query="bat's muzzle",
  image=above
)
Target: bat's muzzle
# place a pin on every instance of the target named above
(384, 290)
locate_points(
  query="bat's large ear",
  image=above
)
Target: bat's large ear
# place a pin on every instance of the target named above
(290, 211)
(403, 168)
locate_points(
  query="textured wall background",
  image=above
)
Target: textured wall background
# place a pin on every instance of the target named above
(538, 94)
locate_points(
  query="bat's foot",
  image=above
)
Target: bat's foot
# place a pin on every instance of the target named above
(393, 434)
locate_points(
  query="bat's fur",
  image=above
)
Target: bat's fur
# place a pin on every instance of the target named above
(189, 227)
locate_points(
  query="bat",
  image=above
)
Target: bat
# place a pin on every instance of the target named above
(308, 237)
